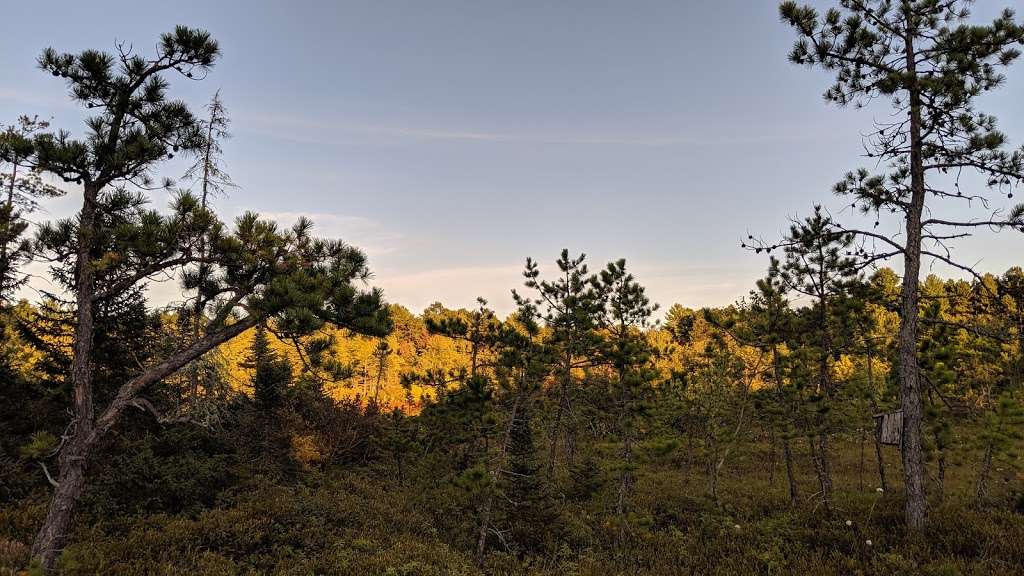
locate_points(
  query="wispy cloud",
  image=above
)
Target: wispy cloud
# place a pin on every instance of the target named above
(458, 135)
(326, 131)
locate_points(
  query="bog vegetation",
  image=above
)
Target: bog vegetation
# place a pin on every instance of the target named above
(282, 418)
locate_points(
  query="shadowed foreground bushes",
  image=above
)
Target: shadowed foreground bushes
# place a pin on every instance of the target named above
(341, 527)
(350, 522)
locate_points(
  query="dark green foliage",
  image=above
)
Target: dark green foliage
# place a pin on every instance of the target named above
(397, 440)
(999, 439)
(569, 306)
(529, 504)
(350, 522)
(135, 124)
(272, 373)
(22, 187)
(238, 497)
(178, 470)
(345, 526)
(627, 313)
(585, 479)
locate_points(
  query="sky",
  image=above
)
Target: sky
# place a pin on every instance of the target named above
(452, 139)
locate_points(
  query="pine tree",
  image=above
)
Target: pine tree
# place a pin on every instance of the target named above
(770, 328)
(114, 243)
(932, 65)
(520, 364)
(272, 373)
(999, 438)
(715, 399)
(627, 314)
(209, 174)
(817, 266)
(570, 305)
(23, 187)
(398, 440)
(873, 326)
(531, 508)
(381, 356)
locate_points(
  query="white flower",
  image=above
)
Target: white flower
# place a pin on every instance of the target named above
(737, 526)
(868, 542)
(879, 490)
(849, 523)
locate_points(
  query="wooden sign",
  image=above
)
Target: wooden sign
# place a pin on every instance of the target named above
(889, 428)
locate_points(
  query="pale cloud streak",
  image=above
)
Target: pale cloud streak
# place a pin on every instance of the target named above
(458, 287)
(455, 287)
(326, 131)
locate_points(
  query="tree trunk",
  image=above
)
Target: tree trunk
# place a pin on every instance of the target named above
(197, 325)
(881, 464)
(790, 472)
(712, 467)
(940, 480)
(910, 386)
(626, 477)
(877, 435)
(625, 486)
(485, 526)
(496, 472)
(826, 472)
(570, 416)
(6, 271)
(786, 448)
(70, 484)
(71, 480)
(563, 420)
(983, 474)
(860, 468)
(825, 383)
(823, 483)
(556, 429)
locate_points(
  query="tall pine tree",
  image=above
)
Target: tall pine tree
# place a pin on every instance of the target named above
(932, 65)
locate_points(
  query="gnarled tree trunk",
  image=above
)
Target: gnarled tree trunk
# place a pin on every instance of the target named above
(74, 456)
(70, 485)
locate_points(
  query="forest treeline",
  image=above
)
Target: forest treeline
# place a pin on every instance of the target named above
(508, 423)
(282, 417)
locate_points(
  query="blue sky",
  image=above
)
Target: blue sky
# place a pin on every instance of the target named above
(451, 139)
